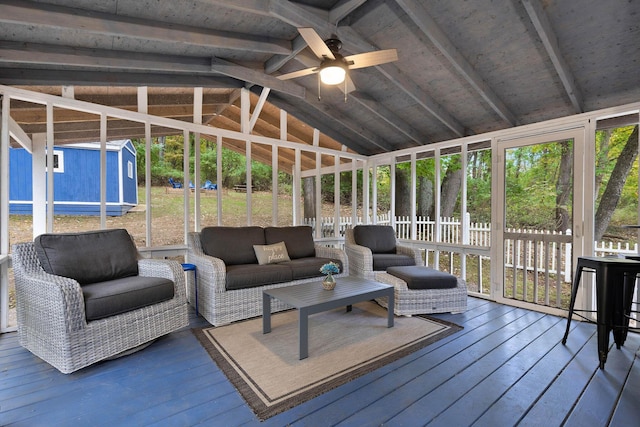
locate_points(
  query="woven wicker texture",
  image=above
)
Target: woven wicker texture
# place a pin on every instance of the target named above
(423, 301)
(361, 259)
(220, 306)
(51, 317)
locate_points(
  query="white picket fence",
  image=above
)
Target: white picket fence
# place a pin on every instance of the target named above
(524, 249)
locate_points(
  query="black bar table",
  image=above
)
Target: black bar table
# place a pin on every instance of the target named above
(614, 277)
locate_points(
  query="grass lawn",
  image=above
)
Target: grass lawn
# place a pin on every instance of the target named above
(167, 213)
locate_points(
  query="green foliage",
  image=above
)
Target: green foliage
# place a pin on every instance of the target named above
(167, 156)
(532, 174)
(531, 177)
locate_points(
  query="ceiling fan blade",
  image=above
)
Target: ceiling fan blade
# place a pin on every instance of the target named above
(315, 42)
(368, 59)
(299, 73)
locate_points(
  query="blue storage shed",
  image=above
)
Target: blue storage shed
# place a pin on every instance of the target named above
(77, 179)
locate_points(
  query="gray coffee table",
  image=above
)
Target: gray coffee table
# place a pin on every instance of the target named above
(311, 298)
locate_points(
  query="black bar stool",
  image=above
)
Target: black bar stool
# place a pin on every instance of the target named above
(615, 282)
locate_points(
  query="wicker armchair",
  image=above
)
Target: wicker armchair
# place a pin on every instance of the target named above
(361, 257)
(51, 314)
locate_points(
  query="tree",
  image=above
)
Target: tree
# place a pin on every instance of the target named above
(613, 190)
(451, 184)
(425, 197)
(309, 197)
(563, 186)
(403, 192)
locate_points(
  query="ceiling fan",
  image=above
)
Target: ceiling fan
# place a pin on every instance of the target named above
(334, 67)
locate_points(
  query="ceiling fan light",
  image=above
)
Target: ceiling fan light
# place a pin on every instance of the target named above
(332, 75)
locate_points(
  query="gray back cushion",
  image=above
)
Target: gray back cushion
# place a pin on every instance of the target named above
(299, 240)
(233, 245)
(89, 257)
(381, 239)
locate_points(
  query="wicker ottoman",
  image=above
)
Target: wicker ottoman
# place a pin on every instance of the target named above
(423, 301)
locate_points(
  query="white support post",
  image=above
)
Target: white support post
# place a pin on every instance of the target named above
(245, 125)
(437, 220)
(274, 185)
(68, 92)
(374, 194)
(50, 195)
(4, 191)
(219, 177)
(366, 208)
(413, 197)
(393, 185)
(143, 108)
(354, 192)
(336, 197)
(296, 188)
(103, 171)
(197, 118)
(185, 187)
(39, 184)
(463, 213)
(275, 166)
(147, 180)
(4, 213)
(318, 186)
(249, 182)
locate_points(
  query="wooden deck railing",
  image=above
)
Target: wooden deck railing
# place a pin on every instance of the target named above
(538, 263)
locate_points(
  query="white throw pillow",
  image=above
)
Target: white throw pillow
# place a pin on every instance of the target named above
(271, 254)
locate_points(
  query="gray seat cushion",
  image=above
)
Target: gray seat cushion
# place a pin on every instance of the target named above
(381, 262)
(233, 245)
(299, 240)
(381, 239)
(104, 299)
(252, 275)
(304, 268)
(88, 257)
(419, 277)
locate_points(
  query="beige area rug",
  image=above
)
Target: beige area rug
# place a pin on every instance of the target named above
(342, 346)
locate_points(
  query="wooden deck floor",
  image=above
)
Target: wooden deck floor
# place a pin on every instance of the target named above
(507, 367)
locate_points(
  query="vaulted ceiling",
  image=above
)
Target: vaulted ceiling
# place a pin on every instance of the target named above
(464, 67)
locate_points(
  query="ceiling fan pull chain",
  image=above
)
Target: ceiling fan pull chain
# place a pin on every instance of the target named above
(318, 86)
(345, 91)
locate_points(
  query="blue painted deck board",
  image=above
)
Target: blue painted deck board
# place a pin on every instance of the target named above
(505, 367)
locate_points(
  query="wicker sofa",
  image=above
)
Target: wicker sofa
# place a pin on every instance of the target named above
(230, 278)
(86, 297)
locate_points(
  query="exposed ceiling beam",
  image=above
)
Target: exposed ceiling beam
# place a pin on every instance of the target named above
(319, 119)
(334, 115)
(416, 11)
(276, 62)
(250, 75)
(342, 9)
(354, 42)
(549, 40)
(388, 116)
(302, 16)
(38, 115)
(404, 83)
(26, 54)
(85, 22)
(128, 101)
(47, 77)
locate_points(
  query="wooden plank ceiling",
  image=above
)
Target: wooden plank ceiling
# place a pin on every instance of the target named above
(464, 67)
